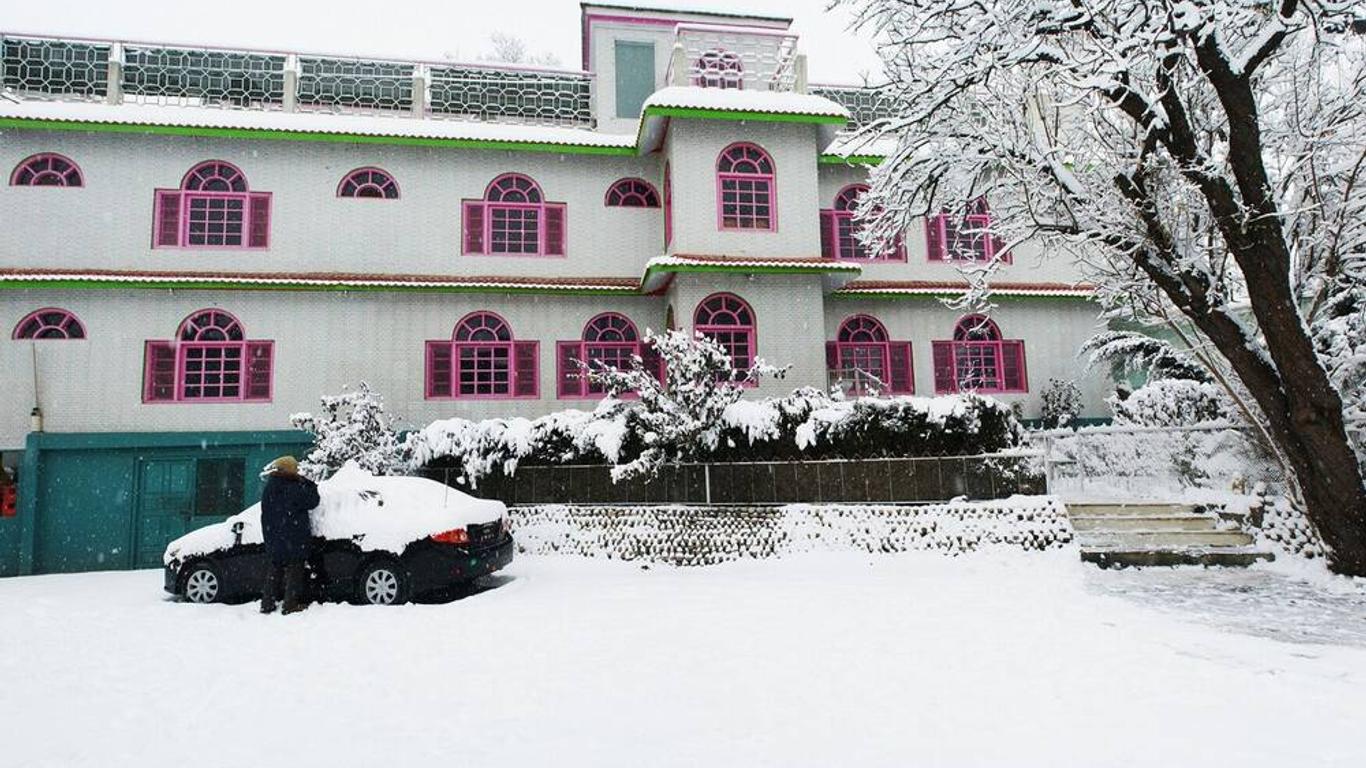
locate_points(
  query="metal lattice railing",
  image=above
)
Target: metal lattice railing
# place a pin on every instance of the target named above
(750, 58)
(345, 85)
(196, 77)
(192, 76)
(865, 104)
(501, 94)
(45, 68)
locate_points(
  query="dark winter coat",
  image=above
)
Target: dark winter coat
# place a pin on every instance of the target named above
(285, 503)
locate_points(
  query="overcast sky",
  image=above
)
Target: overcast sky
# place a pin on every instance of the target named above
(424, 29)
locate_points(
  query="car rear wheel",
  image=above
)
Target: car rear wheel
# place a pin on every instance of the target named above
(202, 583)
(382, 583)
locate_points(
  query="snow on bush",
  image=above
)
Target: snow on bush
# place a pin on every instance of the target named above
(377, 513)
(702, 536)
(352, 427)
(1159, 463)
(1175, 403)
(1061, 403)
(807, 424)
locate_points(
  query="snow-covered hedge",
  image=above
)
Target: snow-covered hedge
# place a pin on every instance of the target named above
(807, 424)
(705, 535)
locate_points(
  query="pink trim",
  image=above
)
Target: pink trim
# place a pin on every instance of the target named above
(24, 164)
(768, 179)
(969, 324)
(544, 210)
(252, 204)
(644, 198)
(510, 374)
(185, 180)
(750, 329)
(981, 220)
(668, 206)
(180, 329)
(991, 354)
(369, 184)
(719, 68)
(68, 320)
(843, 211)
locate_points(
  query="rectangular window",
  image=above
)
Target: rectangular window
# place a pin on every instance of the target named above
(746, 202)
(613, 354)
(635, 73)
(482, 369)
(989, 367)
(965, 239)
(214, 371)
(839, 240)
(513, 229)
(862, 368)
(219, 486)
(185, 219)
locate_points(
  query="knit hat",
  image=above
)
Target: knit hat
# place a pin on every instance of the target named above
(285, 466)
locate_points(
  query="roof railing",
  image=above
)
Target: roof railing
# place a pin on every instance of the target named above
(117, 72)
(743, 58)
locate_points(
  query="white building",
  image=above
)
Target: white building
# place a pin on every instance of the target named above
(196, 243)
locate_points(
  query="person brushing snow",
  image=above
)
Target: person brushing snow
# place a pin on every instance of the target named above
(285, 503)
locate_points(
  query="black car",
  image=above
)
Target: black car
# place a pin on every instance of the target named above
(378, 539)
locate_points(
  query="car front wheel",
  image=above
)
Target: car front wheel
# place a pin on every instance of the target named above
(202, 583)
(382, 583)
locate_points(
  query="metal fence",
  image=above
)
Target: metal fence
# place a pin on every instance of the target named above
(936, 478)
(865, 105)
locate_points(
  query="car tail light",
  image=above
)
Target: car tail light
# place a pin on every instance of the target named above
(505, 525)
(453, 536)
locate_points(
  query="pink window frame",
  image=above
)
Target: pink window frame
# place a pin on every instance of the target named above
(23, 164)
(186, 195)
(69, 319)
(980, 221)
(720, 77)
(368, 169)
(489, 207)
(668, 206)
(585, 348)
(607, 196)
(883, 347)
(183, 347)
(835, 215)
(996, 347)
(456, 346)
(751, 330)
(724, 176)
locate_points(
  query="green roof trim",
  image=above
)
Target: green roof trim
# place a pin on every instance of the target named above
(737, 114)
(339, 287)
(937, 295)
(286, 135)
(802, 269)
(851, 159)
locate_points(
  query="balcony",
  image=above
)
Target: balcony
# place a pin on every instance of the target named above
(36, 67)
(743, 58)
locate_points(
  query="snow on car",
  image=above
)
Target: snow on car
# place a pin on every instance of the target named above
(378, 540)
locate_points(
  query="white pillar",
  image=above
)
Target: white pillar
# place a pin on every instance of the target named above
(113, 86)
(419, 91)
(291, 100)
(799, 73)
(679, 66)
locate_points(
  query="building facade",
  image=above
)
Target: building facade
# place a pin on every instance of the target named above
(197, 243)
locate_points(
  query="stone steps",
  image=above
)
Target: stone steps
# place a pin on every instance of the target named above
(1139, 534)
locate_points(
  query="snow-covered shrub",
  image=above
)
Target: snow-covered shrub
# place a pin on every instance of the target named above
(1285, 528)
(1061, 403)
(351, 427)
(1133, 352)
(677, 416)
(1175, 403)
(1340, 339)
(807, 424)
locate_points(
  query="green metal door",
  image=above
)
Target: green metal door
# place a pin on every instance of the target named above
(165, 504)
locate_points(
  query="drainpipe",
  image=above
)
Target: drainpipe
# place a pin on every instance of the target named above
(35, 416)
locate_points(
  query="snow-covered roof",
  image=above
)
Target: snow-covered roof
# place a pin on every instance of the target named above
(659, 269)
(949, 287)
(853, 148)
(339, 125)
(319, 280)
(722, 103)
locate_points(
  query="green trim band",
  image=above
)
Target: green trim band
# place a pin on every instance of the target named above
(850, 159)
(752, 270)
(937, 295)
(735, 114)
(237, 285)
(285, 135)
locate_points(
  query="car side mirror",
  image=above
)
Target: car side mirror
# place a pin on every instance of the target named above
(237, 532)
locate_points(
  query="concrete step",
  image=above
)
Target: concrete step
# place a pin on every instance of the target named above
(1237, 557)
(1136, 509)
(1104, 523)
(1143, 539)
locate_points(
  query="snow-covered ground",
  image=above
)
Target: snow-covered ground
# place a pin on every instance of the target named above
(829, 659)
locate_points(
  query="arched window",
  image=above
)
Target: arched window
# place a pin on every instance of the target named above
(368, 182)
(668, 206)
(210, 360)
(609, 339)
(719, 68)
(966, 238)
(514, 219)
(744, 184)
(49, 323)
(840, 230)
(728, 320)
(978, 359)
(863, 360)
(213, 208)
(482, 360)
(632, 193)
(47, 169)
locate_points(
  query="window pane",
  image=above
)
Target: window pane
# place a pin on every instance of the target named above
(219, 486)
(635, 72)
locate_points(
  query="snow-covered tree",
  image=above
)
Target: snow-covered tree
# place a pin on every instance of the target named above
(678, 413)
(1205, 160)
(352, 426)
(1340, 336)
(1060, 402)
